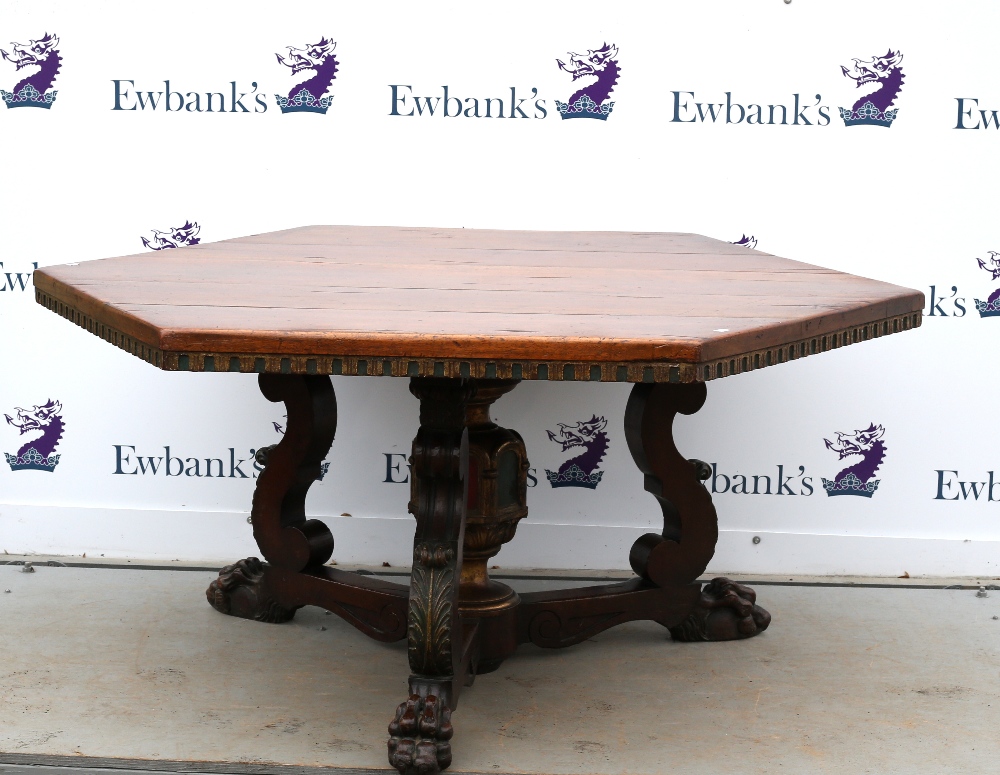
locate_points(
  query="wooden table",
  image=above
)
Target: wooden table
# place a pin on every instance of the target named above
(465, 315)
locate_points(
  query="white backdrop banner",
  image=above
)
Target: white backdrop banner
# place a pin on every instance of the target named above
(857, 136)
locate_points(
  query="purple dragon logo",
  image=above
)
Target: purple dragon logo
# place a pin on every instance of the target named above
(747, 242)
(580, 471)
(875, 106)
(174, 238)
(991, 307)
(324, 467)
(308, 96)
(592, 100)
(33, 92)
(859, 478)
(38, 453)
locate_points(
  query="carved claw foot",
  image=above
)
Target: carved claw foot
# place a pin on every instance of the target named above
(239, 592)
(725, 611)
(419, 735)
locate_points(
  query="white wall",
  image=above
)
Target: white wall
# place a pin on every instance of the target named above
(913, 204)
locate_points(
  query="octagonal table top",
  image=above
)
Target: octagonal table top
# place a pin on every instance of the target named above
(599, 306)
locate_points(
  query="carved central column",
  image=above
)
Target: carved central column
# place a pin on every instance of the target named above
(498, 486)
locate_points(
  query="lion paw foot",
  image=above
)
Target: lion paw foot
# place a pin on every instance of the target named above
(239, 592)
(419, 735)
(724, 611)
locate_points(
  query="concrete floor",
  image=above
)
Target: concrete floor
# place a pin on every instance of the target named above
(133, 664)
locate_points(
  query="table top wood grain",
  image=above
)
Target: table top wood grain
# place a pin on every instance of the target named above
(607, 306)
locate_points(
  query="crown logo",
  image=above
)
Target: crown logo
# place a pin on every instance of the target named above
(988, 309)
(868, 114)
(32, 460)
(574, 476)
(851, 485)
(29, 97)
(304, 102)
(585, 107)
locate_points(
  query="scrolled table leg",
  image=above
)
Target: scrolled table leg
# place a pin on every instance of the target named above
(724, 610)
(287, 539)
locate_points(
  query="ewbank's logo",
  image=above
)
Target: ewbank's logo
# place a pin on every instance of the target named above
(176, 237)
(33, 91)
(875, 107)
(991, 307)
(592, 100)
(747, 241)
(16, 281)
(858, 479)
(309, 96)
(580, 471)
(38, 453)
